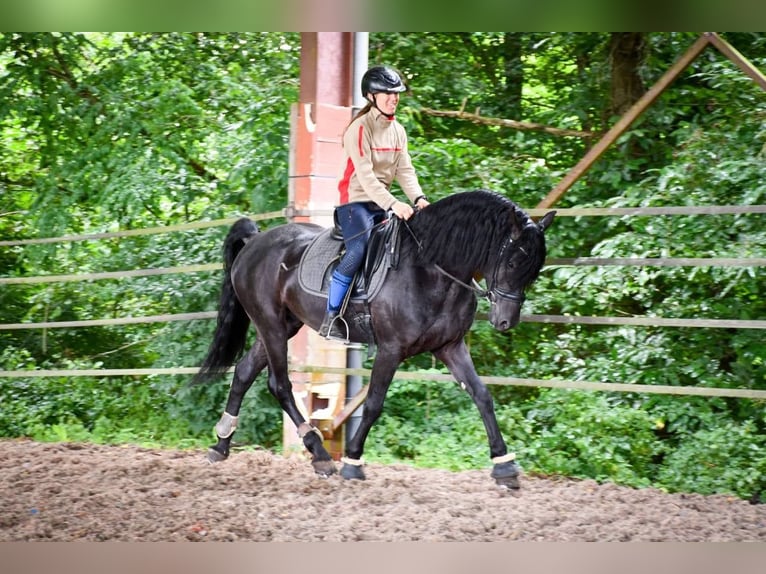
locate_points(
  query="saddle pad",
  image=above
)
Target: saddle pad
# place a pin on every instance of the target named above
(316, 260)
(320, 258)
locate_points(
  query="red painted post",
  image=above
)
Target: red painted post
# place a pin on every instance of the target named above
(317, 124)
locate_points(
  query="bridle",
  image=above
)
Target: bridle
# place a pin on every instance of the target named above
(494, 292)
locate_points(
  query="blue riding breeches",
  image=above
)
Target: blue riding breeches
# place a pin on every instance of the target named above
(356, 221)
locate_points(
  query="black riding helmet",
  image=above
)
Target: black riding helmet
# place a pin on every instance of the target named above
(381, 79)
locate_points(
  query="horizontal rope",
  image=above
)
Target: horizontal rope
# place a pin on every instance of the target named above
(565, 319)
(622, 211)
(111, 274)
(552, 383)
(144, 231)
(660, 261)
(116, 321)
(418, 376)
(45, 373)
(648, 321)
(551, 262)
(291, 212)
(600, 211)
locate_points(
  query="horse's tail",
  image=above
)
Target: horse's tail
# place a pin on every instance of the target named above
(232, 324)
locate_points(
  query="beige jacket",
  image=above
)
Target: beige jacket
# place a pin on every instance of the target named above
(376, 156)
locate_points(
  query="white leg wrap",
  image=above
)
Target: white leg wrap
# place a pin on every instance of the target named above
(225, 427)
(505, 458)
(306, 428)
(352, 461)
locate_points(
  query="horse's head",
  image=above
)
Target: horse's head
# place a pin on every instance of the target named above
(517, 266)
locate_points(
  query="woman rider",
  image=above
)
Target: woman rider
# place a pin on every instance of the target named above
(375, 146)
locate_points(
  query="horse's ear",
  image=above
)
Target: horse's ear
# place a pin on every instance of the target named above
(516, 225)
(545, 222)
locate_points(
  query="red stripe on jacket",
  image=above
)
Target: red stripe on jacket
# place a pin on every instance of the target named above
(344, 182)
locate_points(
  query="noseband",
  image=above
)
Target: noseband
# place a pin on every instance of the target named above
(515, 296)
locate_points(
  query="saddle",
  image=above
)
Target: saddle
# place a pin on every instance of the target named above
(324, 253)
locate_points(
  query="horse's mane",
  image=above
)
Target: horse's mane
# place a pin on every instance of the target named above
(470, 227)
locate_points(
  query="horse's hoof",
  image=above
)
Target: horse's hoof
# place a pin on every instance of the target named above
(506, 475)
(324, 468)
(511, 484)
(352, 472)
(214, 456)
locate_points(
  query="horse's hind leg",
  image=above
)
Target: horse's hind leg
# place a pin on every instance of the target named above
(281, 387)
(505, 471)
(245, 373)
(276, 332)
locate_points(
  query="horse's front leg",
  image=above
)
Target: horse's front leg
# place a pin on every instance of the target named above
(505, 471)
(380, 380)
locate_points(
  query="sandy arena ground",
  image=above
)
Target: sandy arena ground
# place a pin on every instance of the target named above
(68, 492)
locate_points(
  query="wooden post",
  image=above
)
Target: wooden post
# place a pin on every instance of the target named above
(316, 154)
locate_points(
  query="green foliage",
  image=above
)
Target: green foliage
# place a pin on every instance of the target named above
(725, 457)
(573, 433)
(589, 435)
(107, 132)
(430, 424)
(103, 410)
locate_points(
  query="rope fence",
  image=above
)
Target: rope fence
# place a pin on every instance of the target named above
(138, 232)
(291, 212)
(409, 375)
(110, 274)
(551, 262)
(416, 376)
(563, 319)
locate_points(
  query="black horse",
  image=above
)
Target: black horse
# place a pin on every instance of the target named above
(427, 303)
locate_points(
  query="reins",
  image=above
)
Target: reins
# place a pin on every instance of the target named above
(488, 294)
(419, 243)
(474, 286)
(366, 230)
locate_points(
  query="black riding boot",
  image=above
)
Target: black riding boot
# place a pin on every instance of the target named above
(331, 327)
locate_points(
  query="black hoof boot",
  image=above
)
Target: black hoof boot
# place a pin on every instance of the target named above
(324, 468)
(214, 455)
(506, 475)
(352, 472)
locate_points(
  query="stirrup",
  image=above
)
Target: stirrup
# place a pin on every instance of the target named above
(335, 332)
(330, 328)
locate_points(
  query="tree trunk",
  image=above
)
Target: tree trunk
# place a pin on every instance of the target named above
(627, 51)
(514, 74)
